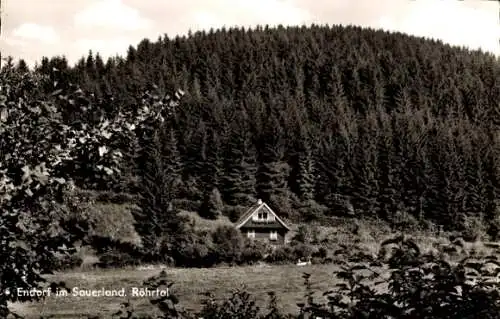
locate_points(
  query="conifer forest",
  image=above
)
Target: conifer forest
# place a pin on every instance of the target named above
(342, 120)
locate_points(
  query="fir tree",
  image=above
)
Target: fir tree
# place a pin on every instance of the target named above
(239, 181)
(157, 222)
(306, 174)
(212, 204)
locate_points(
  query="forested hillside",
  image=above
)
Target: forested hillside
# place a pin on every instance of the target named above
(318, 121)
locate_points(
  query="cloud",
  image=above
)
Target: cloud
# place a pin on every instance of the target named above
(33, 31)
(455, 22)
(217, 13)
(111, 14)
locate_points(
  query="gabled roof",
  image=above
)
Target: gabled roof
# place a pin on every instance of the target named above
(249, 213)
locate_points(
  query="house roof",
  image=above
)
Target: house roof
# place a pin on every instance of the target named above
(249, 213)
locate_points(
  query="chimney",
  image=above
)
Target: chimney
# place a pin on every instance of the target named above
(259, 202)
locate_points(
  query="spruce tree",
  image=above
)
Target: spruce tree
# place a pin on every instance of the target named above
(239, 180)
(212, 166)
(212, 205)
(172, 161)
(306, 173)
(273, 171)
(157, 221)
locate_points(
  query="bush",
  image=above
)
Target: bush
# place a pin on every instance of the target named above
(254, 251)
(228, 244)
(473, 227)
(281, 255)
(70, 262)
(187, 205)
(302, 251)
(311, 211)
(115, 254)
(195, 250)
(114, 198)
(115, 258)
(241, 305)
(403, 220)
(306, 234)
(320, 253)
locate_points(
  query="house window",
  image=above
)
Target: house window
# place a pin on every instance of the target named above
(251, 234)
(262, 216)
(273, 235)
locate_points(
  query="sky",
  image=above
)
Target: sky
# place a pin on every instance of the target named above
(32, 29)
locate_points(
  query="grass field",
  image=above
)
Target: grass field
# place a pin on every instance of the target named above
(189, 285)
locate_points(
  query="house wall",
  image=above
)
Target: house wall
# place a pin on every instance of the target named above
(264, 235)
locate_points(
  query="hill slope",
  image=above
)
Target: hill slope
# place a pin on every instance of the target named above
(354, 119)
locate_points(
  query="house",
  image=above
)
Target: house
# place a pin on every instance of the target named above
(261, 222)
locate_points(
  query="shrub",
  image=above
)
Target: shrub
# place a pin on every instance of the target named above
(115, 258)
(302, 251)
(281, 255)
(403, 220)
(195, 250)
(311, 211)
(473, 227)
(186, 204)
(69, 262)
(114, 253)
(113, 197)
(253, 251)
(241, 305)
(228, 244)
(320, 253)
(114, 221)
(306, 234)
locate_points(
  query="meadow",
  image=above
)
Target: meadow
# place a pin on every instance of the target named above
(189, 286)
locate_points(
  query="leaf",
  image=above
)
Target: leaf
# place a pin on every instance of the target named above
(4, 115)
(102, 150)
(60, 180)
(26, 173)
(105, 124)
(56, 92)
(40, 173)
(106, 134)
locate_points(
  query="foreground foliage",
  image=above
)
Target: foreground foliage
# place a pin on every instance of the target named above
(39, 149)
(401, 284)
